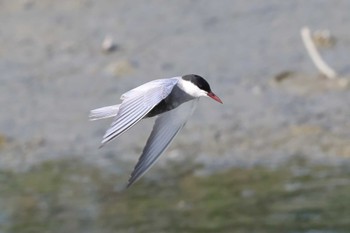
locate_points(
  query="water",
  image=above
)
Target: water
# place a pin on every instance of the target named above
(69, 196)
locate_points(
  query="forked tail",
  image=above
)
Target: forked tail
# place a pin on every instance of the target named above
(104, 112)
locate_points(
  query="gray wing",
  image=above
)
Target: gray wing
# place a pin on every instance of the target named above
(166, 127)
(136, 104)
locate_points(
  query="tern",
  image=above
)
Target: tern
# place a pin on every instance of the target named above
(172, 100)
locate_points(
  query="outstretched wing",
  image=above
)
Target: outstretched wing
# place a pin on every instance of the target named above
(166, 127)
(136, 104)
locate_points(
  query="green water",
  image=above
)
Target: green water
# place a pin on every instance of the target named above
(69, 196)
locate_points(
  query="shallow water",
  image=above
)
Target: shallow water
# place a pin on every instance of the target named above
(69, 196)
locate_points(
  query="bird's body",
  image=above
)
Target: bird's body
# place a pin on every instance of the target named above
(172, 100)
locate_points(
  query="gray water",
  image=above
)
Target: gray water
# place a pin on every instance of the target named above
(277, 110)
(68, 196)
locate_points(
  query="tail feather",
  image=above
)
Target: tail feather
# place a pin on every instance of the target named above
(104, 112)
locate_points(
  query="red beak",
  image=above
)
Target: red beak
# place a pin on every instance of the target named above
(214, 97)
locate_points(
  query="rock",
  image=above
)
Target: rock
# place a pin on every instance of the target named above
(108, 45)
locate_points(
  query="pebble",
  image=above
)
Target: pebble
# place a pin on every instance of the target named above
(108, 44)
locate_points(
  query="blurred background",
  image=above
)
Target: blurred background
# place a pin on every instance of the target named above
(274, 158)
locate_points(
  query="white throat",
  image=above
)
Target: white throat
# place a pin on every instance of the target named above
(190, 88)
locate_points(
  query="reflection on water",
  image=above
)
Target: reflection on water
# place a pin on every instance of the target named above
(69, 196)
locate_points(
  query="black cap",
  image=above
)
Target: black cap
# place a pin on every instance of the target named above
(198, 81)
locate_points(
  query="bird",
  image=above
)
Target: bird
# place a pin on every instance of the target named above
(171, 100)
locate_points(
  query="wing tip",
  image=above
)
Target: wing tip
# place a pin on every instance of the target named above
(133, 179)
(128, 185)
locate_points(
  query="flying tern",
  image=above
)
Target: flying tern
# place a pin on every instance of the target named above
(172, 100)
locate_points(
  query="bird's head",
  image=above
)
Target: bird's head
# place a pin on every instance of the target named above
(197, 86)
